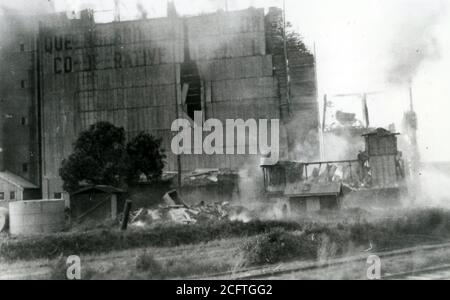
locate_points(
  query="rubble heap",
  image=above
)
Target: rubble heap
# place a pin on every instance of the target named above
(181, 214)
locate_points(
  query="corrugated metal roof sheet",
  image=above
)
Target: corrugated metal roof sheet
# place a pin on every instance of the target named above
(99, 188)
(17, 180)
(380, 132)
(313, 189)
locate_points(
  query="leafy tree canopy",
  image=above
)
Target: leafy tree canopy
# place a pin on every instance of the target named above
(102, 157)
(145, 157)
(294, 40)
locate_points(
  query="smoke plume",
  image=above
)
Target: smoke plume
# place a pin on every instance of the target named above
(414, 43)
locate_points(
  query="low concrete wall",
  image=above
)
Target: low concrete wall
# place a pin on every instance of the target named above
(36, 217)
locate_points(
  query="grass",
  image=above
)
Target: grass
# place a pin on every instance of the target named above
(324, 242)
(147, 263)
(147, 267)
(291, 240)
(102, 241)
(186, 261)
(58, 270)
(279, 245)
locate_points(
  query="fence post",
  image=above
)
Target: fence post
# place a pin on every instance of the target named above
(126, 215)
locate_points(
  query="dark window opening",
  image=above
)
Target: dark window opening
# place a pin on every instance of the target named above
(24, 121)
(2, 196)
(25, 168)
(193, 104)
(58, 196)
(22, 47)
(22, 84)
(12, 196)
(190, 77)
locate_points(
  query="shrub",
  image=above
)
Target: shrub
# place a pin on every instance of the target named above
(190, 267)
(410, 229)
(279, 245)
(100, 241)
(146, 262)
(58, 270)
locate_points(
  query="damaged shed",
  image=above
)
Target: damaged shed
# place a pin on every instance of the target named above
(99, 202)
(312, 197)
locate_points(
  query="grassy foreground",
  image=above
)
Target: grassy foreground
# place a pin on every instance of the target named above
(103, 241)
(273, 242)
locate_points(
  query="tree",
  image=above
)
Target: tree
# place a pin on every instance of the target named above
(294, 40)
(99, 158)
(102, 157)
(145, 157)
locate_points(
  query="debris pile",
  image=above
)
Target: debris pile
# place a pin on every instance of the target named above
(168, 214)
(216, 185)
(202, 177)
(174, 211)
(180, 214)
(352, 174)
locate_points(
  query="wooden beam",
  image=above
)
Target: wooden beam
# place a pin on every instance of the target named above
(184, 93)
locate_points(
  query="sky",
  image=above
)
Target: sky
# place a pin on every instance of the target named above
(361, 46)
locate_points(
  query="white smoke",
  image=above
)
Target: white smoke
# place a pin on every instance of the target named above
(433, 187)
(28, 7)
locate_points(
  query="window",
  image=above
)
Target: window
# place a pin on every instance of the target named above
(58, 196)
(22, 47)
(192, 89)
(22, 84)
(24, 121)
(25, 168)
(2, 196)
(12, 196)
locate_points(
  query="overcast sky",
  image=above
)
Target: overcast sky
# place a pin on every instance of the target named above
(361, 45)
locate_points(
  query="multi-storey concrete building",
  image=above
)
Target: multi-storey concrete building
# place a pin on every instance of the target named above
(19, 132)
(144, 74)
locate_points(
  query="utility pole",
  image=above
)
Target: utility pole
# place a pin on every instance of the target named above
(411, 98)
(323, 127)
(116, 10)
(413, 126)
(173, 15)
(320, 126)
(365, 110)
(285, 46)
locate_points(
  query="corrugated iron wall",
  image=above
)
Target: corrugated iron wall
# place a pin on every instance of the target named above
(384, 173)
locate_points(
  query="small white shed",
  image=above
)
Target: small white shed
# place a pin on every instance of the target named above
(16, 188)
